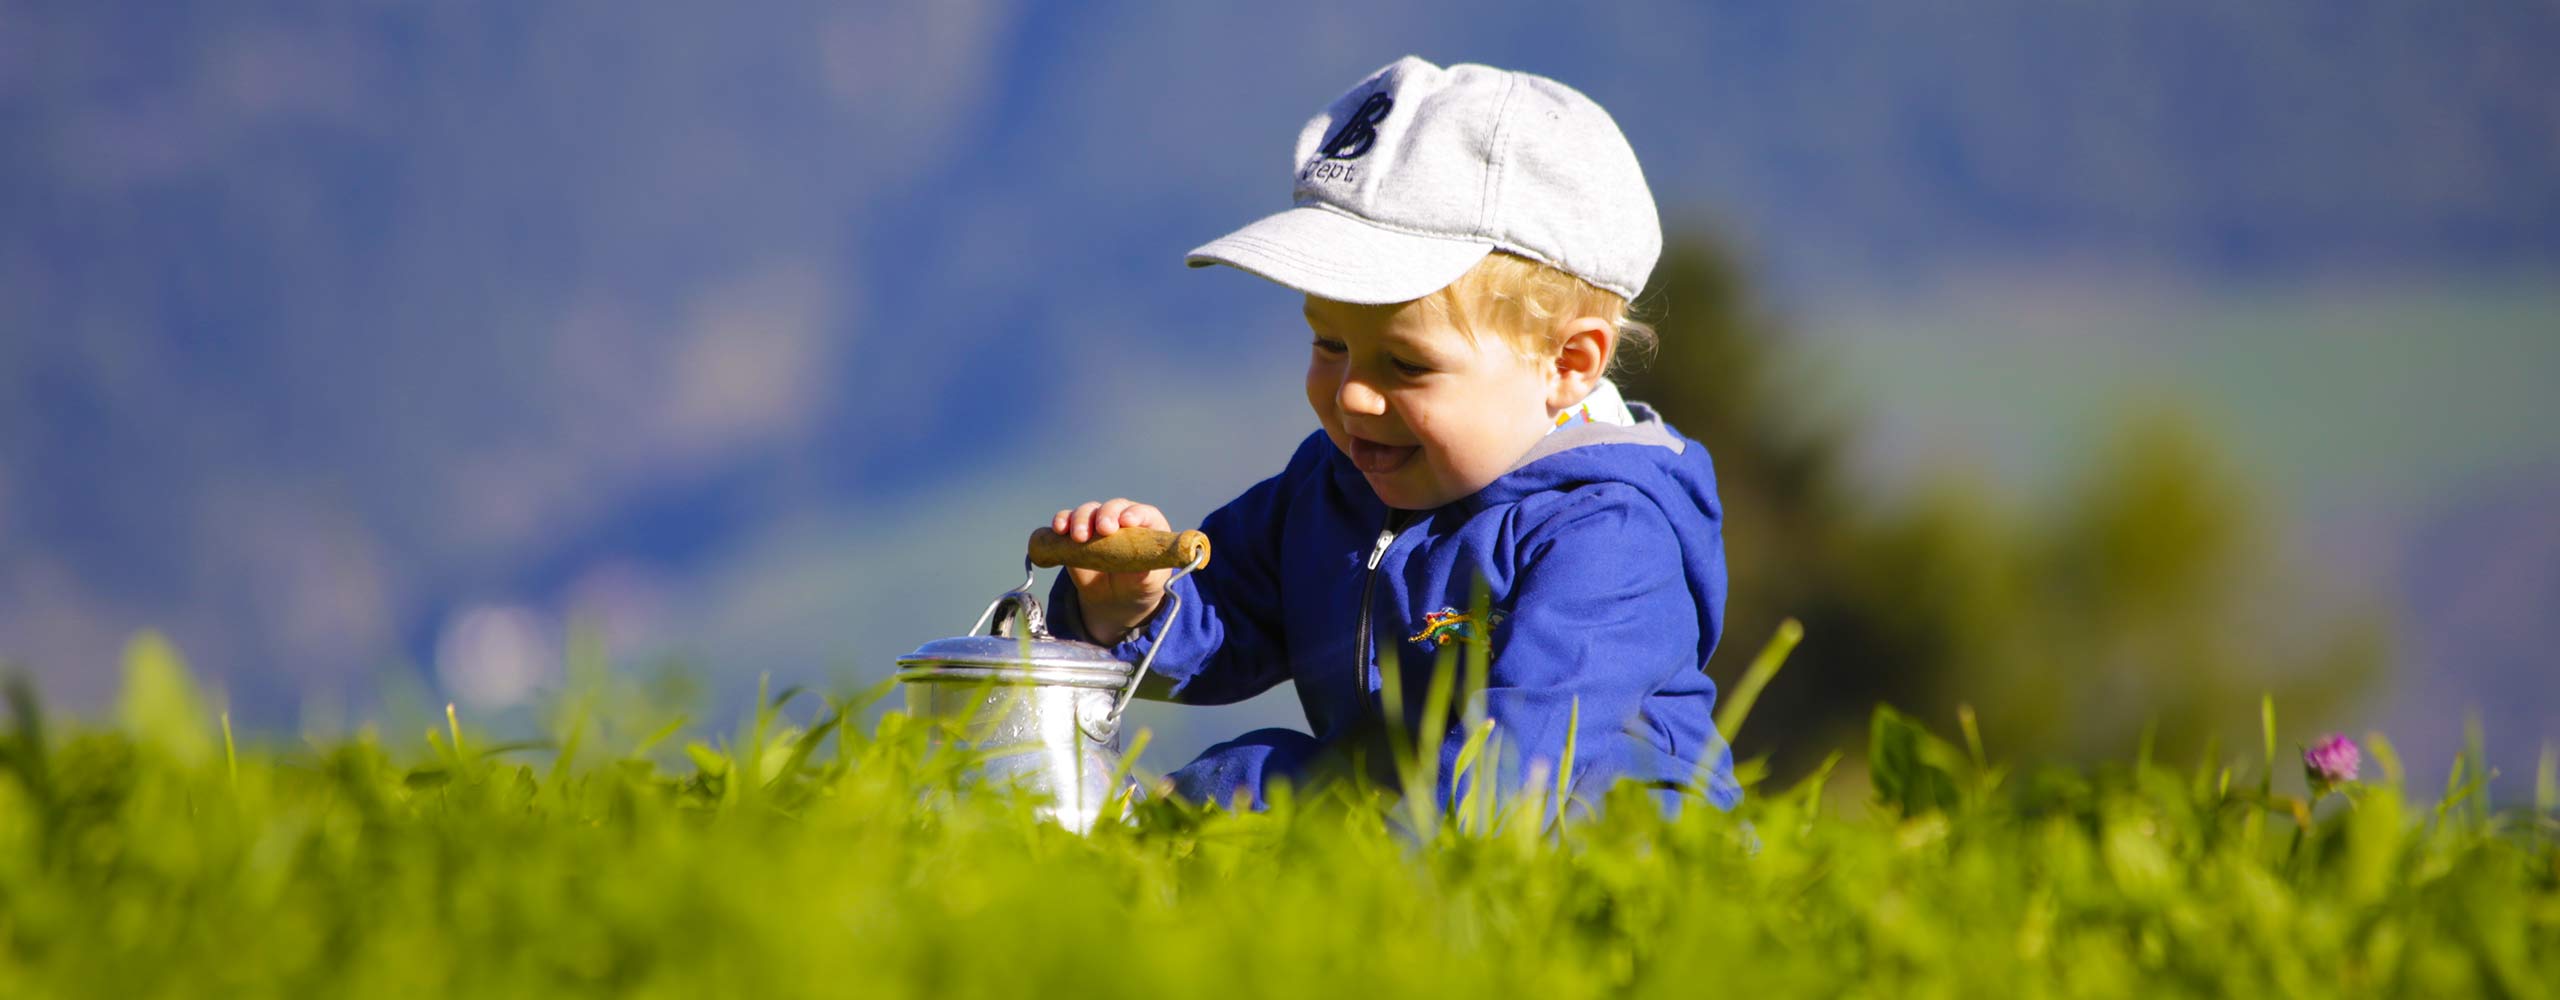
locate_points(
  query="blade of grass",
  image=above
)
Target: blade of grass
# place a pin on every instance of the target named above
(1464, 772)
(1124, 792)
(230, 753)
(2546, 780)
(2267, 733)
(2475, 746)
(805, 745)
(1425, 792)
(1564, 768)
(2385, 755)
(2454, 789)
(1765, 666)
(1391, 707)
(659, 736)
(570, 739)
(1973, 735)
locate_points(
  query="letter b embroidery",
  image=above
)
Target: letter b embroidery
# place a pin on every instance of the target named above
(1360, 131)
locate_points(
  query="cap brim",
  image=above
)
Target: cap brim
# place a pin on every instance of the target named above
(1331, 255)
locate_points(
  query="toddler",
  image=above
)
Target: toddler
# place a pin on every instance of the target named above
(1468, 240)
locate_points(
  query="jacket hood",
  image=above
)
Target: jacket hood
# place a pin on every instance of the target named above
(1670, 469)
(1650, 455)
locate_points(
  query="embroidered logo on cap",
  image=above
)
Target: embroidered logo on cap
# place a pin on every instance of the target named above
(1360, 131)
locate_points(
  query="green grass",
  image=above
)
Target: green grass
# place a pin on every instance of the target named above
(813, 853)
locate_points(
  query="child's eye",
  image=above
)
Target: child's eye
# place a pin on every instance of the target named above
(1328, 346)
(1410, 368)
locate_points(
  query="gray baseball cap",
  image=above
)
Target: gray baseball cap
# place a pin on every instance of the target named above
(1411, 177)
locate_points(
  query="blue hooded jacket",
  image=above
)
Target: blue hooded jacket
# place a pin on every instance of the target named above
(1603, 555)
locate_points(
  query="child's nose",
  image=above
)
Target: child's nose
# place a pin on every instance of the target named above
(1358, 397)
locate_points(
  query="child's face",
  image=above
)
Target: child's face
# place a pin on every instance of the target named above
(1427, 414)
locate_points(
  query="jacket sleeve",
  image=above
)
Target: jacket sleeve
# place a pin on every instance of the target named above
(1601, 628)
(1225, 643)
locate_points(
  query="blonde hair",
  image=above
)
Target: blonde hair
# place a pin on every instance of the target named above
(1521, 300)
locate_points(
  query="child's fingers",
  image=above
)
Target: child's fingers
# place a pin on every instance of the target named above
(1107, 518)
(1080, 521)
(1141, 515)
(1101, 518)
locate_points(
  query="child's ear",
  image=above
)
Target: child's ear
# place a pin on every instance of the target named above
(1582, 358)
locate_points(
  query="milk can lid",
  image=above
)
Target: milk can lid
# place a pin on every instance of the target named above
(997, 651)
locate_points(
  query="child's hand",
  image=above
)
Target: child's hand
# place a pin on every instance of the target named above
(1113, 603)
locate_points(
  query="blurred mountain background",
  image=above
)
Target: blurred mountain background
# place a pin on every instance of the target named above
(2091, 364)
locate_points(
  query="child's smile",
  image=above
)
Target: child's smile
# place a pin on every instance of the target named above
(1379, 458)
(1427, 414)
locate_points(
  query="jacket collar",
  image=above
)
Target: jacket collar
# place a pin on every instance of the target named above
(1648, 430)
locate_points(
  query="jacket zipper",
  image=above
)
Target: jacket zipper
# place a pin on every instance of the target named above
(1368, 595)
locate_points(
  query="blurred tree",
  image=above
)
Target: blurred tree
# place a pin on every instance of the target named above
(2150, 595)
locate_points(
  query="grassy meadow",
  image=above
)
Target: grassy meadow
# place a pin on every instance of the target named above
(827, 847)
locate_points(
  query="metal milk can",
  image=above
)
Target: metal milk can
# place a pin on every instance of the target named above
(1042, 710)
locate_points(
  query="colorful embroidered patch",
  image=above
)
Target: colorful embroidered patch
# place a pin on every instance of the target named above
(1451, 625)
(1580, 414)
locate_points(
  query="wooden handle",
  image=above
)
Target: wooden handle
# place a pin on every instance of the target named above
(1129, 550)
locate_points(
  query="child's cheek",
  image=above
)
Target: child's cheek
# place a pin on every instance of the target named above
(1316, 393)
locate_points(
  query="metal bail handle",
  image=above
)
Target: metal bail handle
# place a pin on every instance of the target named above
(1129, 550)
